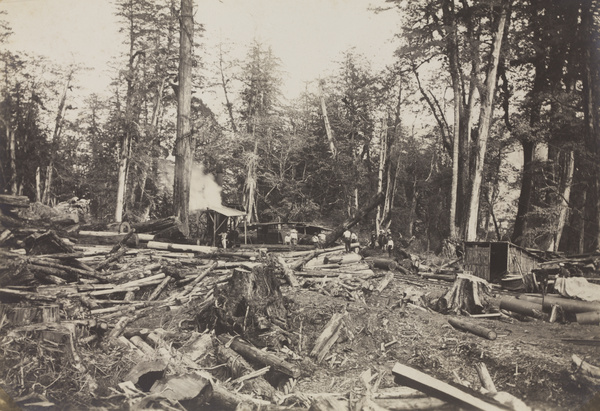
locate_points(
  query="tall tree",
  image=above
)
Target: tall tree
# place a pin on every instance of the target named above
(184, 144)
(485, 118)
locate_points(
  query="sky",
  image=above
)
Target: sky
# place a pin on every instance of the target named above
(308, 36)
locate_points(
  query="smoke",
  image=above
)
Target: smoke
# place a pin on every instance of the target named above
(204, 190)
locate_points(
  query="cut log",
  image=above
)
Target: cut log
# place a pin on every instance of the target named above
(568, 305)
(112, 258)
(328, 337)
(443, 277)
(172, 233)
(154, 226)
(14, 201)
(360, 214)
(191, 390)
(108, 238)
(384, 283)
(262, 357)
(349, 258)
(472, 328)
(159, 288)
(328, 403)
(588, 318)
(585, 367)
(405, 375)
(528, 308)
(407, 404)
(385, 264)
(146, 373)
(239, 367)
(157, 245)
(288, 272)
(485, 378)
(46, 243)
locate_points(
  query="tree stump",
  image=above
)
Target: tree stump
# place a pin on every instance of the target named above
(249, 303)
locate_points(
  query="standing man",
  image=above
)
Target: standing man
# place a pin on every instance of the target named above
(322, 239)
(347, 240)
(353, 238)
(293, 237)
(223, 239)
(390, 246)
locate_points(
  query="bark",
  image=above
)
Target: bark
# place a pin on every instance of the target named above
(565, 199)
(328, 130)
(485, 119)
(225, 92)
(453, 57)
(591, 102)
(55, 137)
(184, 147)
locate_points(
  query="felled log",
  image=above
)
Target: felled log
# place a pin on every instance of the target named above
(5, 236)
(407, 404)
(172, 233)
(239, 367)
(252, 353)
(154, 226)
(592, 318)
(191, 390)
(328, 337)
(112, 258)
(8, 294)
(349, 258)
(384, 283)
(360, 214)
(568, 305)
(14, 201)
(328, 403)
(405, 375)
(472, 328)
(439, 276)
(76, 272)
(585, 367)
(108, 238)
(385, 263)
(524, 307)
(46, 243)
(157, 245)
(485, 378)
(288, 272)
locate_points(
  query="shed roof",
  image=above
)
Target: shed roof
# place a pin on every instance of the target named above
(226, 211)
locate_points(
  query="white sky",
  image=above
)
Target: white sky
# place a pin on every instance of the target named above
(307, 35)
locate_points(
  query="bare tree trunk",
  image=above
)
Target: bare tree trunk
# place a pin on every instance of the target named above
(183, 146)
(485, 119)
(382, 155)
(565, 199)
(591, 102)
(12, 145)
(55, 136)
(453, 56)
(224, 85)
(38, 185)
(326, 120)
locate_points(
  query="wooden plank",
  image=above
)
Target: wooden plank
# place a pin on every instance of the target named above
(406, 375)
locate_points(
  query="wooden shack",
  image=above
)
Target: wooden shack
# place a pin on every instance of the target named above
(494, 260)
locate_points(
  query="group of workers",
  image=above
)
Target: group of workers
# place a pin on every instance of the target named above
(383, 240)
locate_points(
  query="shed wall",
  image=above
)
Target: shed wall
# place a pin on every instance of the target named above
(477, 260)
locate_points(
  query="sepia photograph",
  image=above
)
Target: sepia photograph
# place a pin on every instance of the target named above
(321, 205)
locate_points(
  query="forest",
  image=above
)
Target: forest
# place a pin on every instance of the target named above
(468, 169)
(507, 95)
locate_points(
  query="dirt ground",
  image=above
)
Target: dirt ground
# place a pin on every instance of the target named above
(527, 359)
